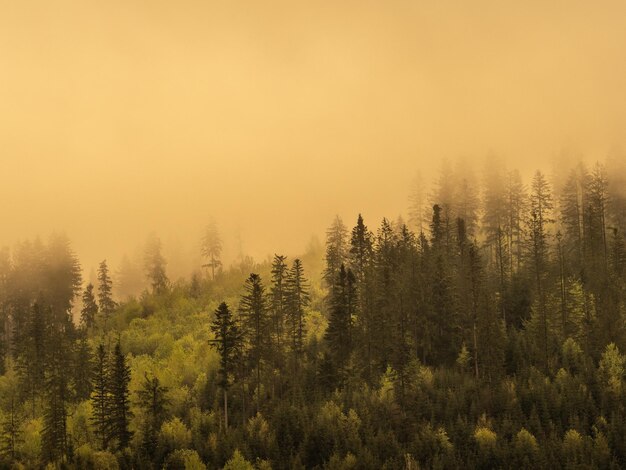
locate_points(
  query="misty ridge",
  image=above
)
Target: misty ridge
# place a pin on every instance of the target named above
(485, 328)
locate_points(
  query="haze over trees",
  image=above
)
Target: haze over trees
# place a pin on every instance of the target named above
(489, 332)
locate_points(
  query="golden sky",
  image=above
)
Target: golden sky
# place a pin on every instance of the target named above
(121, 117)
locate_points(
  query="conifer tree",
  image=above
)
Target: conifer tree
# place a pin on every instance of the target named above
(297, 301)
(256, 326)
(90, 308)
(541, 206)
(54, 439)
(32, 357)
(227, 342)
(339, 334)
(83, 367)
(101, 397)
(105, 292)
(152, 398)
(10, 431)
(154, 264)
(336, 250)
(212, 248)
(278, 300)
(120, 414)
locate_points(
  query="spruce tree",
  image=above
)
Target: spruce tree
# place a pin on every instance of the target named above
(336, 250)
(339, 334)
(278, 302)
(101, 397)
(541, 206)
(256, 326)
(227, 342)
(105, 292)
(54, 438)
(10, 431)
(153, 400)
(154, 264)
(297, 301)
(83, 367)
(119, 404)
(212, 248)
(90, 308)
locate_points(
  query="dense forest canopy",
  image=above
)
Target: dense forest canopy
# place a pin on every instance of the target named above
(486, 331)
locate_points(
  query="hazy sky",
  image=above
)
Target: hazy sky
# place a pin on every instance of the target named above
(120, 117)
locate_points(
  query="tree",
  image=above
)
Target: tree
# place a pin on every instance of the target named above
(212, 248)
(54, 439)
(340, 323)
(152, 399)
(278, 301)
(227, 342)
(31, 360)
(101, 397)
(297, 300)
(336, 250)
(90, 307)
(10, 432)
(154, 265)
(105, 289)
(83, 367)
(255, 324)
(541, 206)
(120, 414)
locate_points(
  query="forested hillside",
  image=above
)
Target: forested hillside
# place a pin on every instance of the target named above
(486, 332)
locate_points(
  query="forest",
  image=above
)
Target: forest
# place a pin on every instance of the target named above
(486, 331)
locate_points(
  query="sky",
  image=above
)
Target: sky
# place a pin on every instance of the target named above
(126, 117)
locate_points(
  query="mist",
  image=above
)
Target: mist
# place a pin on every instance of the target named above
(124, 118)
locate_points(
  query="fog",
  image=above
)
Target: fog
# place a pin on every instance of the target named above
(123, 118)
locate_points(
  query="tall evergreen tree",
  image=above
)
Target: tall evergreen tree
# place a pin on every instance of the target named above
(336, 250)
(153, 400)
(228, 344)
(83, 367)
(212, 248)
(256, 326)
(154, 264)
(105, 292)
(297, 301)
(101, 397)
(54, 438)
(278, 302)
(119, 404)
(339, 334)
(90, 307)
(540, 217)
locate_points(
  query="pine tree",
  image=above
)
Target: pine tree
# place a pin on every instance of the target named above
(336, 250)
(278, 302)
(119, 402)
(256, 326)
(538, 248)
(90, 308)
(154, 265)
(297, 301)
(360, 263)
(105, 289)
(31, 360)
(101, 397)
(227, 342)
(83, 367)
(10, 431)
(54, 438)
(339, 334)
(212, 248)
(152, 398)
